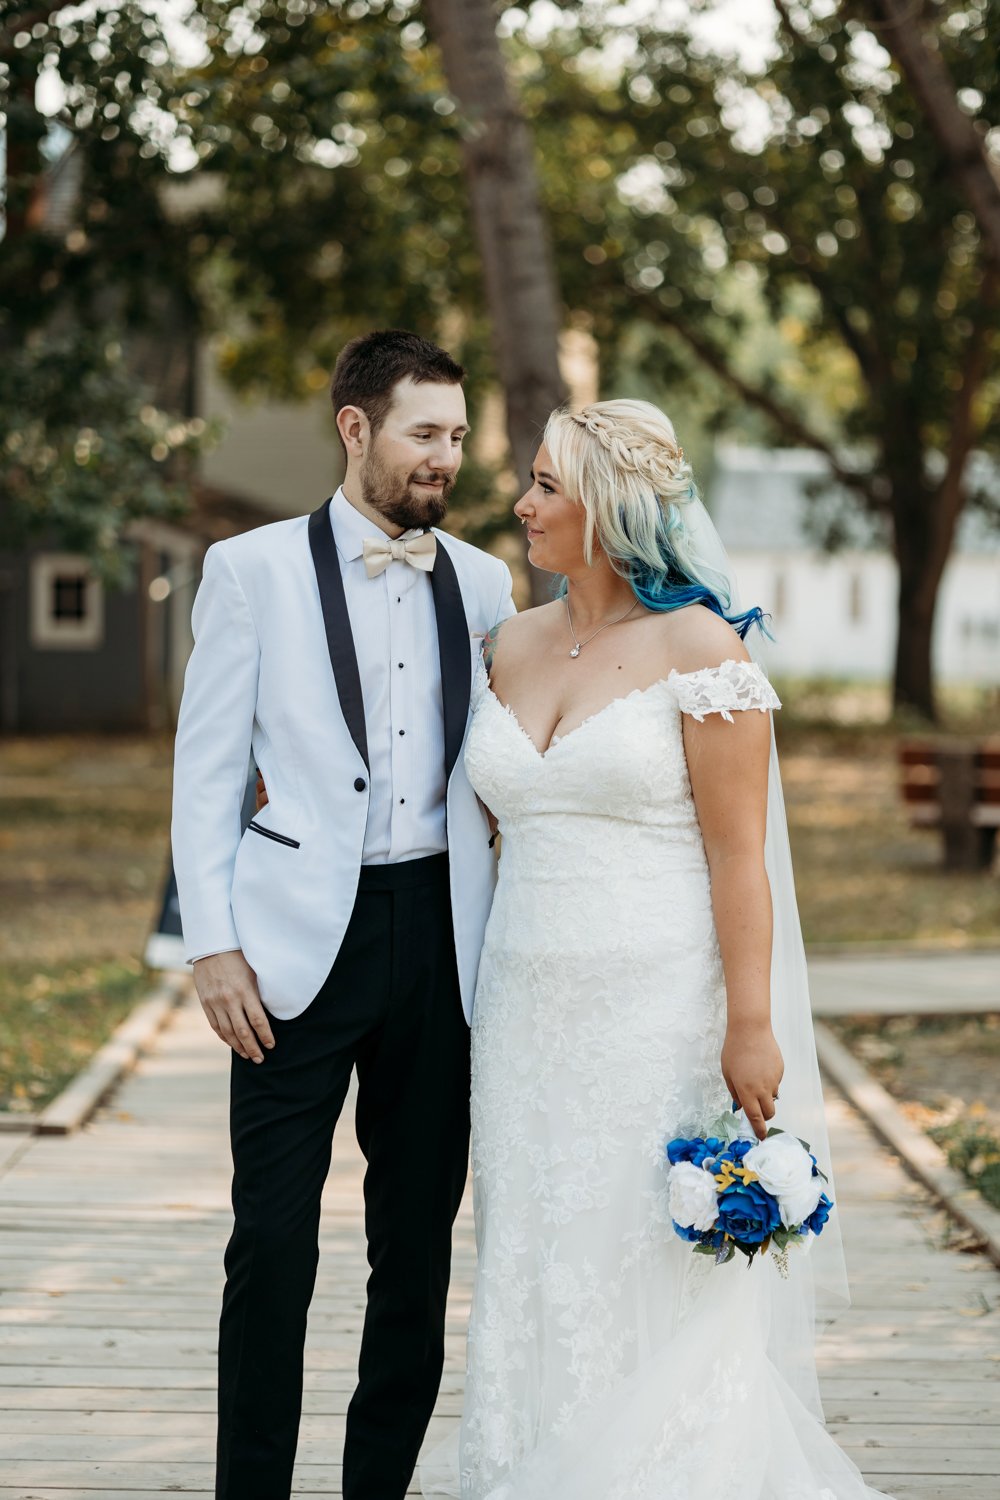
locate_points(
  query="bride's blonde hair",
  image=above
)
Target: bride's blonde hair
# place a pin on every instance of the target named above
(622, 462)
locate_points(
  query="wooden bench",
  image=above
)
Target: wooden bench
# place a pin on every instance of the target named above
(955, 786)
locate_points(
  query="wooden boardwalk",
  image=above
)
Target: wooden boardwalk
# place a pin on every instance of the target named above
(110, 1276)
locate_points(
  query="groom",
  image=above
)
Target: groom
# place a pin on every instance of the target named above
(343, 929)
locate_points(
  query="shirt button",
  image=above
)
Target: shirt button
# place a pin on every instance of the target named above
(401, 801)
(399, 664)
(360, 784)
(402, 732)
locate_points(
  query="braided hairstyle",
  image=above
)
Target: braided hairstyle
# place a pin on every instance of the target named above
(621, 460)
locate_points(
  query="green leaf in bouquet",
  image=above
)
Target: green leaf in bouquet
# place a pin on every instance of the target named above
(725, 1128)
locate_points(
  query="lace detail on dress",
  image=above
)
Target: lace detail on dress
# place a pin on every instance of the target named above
(735, 685)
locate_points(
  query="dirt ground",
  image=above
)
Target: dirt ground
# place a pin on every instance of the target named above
(862, 874)
(943, 1071)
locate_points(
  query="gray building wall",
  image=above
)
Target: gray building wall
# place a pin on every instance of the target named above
(51, 689)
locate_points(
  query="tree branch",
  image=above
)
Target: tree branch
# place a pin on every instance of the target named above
(961, 431)
(957, 136)
(786, 421)
(869, 356)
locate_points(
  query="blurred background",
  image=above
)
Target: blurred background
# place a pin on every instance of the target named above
(779, 221)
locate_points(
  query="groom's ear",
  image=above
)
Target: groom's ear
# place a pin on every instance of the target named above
(354, 429)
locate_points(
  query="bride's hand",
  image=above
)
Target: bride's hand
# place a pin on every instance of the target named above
(752, 1067)
(262, 797)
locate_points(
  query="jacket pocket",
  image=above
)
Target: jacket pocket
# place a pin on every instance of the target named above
(268, 833)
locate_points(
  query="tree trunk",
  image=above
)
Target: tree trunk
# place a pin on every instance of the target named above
(924, 521)
(962, 143)
(913, 682)
(518, 265)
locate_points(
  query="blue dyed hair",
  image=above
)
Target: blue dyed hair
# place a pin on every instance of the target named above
(623, 461)
(672, 585)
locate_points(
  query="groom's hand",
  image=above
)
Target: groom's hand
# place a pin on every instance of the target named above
(227, 989)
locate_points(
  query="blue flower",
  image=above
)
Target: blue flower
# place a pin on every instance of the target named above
(695, 1151)
(819, 1215)
(748, 1213)
(738, 1149)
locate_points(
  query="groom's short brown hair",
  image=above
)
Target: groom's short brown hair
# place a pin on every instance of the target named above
(370, 367)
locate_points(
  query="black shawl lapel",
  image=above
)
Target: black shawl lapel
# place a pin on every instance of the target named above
(453, 647)
(339, 639)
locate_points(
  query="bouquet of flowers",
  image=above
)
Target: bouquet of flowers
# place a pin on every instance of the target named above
(729, 1194)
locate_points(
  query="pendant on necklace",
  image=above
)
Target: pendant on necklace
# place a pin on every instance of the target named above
(575, 651)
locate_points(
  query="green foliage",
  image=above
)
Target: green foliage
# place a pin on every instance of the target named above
(93, 264)
(341, 203)
(53, 1019)
(973, 1148)
(83, 451)
(785, 254)
(121, 256)
(815, 191)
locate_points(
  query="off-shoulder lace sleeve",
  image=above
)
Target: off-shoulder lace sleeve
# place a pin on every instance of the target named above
(735, 685)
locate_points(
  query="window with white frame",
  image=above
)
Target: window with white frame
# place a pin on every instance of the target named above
(67, 603)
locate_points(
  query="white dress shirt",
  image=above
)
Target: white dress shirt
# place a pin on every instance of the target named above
(396, 641)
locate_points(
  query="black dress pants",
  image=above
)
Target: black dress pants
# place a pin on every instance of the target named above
(391, 1007)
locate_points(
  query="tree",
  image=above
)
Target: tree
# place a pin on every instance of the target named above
(818, 187)
(511, 229)
(81, 459)
(98, 313)
(904, 28)
(840, 221)
(689, 206)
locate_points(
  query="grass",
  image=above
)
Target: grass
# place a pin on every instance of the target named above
(53, 1019)
(942, 1070)
(83, 849)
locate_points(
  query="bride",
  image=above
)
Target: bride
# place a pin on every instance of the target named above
(642, 969)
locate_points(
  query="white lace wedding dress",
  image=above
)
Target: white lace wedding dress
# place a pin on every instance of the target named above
(606, 1361)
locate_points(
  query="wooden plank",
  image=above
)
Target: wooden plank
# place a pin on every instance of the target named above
(110, 1286)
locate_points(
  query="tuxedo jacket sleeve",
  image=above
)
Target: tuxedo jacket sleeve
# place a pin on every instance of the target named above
(214, 734)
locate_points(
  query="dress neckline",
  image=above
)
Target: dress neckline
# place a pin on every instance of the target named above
(635, 694)
(560, 739)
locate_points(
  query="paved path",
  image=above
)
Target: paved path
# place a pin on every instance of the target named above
(110, 1276)
(905, 983)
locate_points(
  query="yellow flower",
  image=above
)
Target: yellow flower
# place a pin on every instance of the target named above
(730, 1173)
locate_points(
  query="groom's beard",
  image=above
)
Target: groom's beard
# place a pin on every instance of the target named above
(398, 499)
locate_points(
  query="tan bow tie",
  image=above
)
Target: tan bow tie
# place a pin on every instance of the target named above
(419, 551)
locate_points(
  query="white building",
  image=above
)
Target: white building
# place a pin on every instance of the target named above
(834, 614)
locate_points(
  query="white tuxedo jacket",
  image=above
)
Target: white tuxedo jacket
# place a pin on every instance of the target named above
(274, 674)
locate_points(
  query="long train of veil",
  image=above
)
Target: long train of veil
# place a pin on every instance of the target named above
(818, 1281)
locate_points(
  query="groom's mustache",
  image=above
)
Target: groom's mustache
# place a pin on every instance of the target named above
(446, 481)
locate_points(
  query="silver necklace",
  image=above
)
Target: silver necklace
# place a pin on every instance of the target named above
(578, 645)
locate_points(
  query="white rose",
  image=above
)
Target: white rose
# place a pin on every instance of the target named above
(694, 1203)
(785, 1170)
